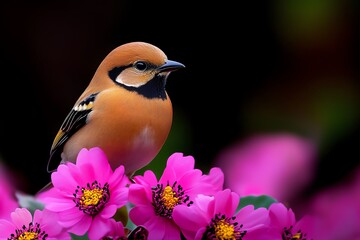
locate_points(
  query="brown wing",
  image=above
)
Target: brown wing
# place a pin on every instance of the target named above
(75, 120)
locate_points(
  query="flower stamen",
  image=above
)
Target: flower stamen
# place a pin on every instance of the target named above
(169, 198)
(166, 198)
(92, 198)
(30, 232)
(224, 228)
(288, 235)
(28, 236)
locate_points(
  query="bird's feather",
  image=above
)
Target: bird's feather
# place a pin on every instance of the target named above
(75, 120)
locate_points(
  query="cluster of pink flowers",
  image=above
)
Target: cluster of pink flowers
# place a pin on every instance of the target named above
(89, 199)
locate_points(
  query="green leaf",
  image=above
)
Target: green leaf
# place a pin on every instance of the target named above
(122, 215)
(130, 225)
(76, 237)
(258, 201)
(29, 202)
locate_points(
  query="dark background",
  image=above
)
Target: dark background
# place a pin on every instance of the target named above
(251, 67)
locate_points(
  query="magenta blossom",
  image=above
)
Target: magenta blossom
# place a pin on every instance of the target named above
(8, 202)
(216, 218)
(23, 226)
(87, 194)
(284, 225)
(338, 209)
(154, 200)
(115, 230)
(277, 165)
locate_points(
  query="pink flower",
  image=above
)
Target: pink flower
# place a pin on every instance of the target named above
(8, 202)
(338, 209)
(154, 201)
(87, 194)
(278, 165)
(115, 230)
(23, 226)
(215, 217)
(284, 225)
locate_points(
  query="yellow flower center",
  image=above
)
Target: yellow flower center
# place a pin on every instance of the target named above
(91, 196)
(169, 198)
(165, 198)
(28, 236)
(224, 230)
(296, 236)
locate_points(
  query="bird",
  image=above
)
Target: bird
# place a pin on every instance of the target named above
(125, 110)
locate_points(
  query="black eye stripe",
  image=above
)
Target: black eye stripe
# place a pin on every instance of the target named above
(113, 73)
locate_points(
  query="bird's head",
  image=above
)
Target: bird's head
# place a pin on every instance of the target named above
(137, 66)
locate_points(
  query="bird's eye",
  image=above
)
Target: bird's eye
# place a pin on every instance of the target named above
(141, 66)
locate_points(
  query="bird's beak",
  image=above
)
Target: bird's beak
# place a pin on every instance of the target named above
(169, 66)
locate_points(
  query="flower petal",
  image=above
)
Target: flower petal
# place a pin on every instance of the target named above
(48, 222)
(215, 178)
(58, 204)
(63, 179)
(98, 162)
(281, 216)
(189, 218)
(98, 229)
(226, 202)
(71, 217)
(177, 165)
(82, 226)
(156, 227)
(20, 217)
(108, 212)
(149, 179)
(119, 197)
(191, 182)
(118, 179)
(7, 228)
(171, 231)
(250, 217)
(138, 194)
(139, 215)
